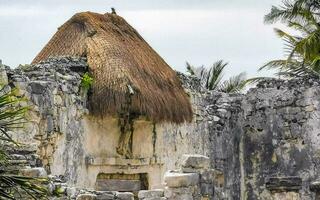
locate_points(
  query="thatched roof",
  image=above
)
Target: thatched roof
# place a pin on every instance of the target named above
(127, 72)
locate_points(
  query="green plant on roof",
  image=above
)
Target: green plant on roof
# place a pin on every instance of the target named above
(86, 81)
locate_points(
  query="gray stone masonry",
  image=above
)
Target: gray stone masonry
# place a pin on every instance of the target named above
(270, 131)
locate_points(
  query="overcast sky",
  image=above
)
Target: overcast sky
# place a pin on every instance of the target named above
(199, 32)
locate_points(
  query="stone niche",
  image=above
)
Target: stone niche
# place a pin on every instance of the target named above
(122, 182)
(103, 167)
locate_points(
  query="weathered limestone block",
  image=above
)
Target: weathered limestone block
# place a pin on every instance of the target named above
(182, 193)
(286, 196)
(174, 179)
(195, 162)
(87, 197)
(118, 185)
(124, 196)
(37, 172)
(106, 196)
(148, 194)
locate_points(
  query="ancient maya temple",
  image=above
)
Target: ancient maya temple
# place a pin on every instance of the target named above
(147, 132)
(133, 90)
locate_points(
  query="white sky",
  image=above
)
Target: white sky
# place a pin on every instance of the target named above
(199, 32)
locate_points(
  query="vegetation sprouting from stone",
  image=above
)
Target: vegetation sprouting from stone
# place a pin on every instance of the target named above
(86, 81)
(211, 78)
(12, 186)
(303, 47)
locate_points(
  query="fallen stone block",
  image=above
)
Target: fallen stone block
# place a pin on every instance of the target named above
(37, 172)
(144, 194)
(173, 179)
(195, 161)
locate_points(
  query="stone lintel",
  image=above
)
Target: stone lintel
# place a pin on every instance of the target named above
(112, 161)
(283, 184)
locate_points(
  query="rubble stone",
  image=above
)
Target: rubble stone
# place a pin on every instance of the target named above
(195, 161)
(37, 172)
(144, 194)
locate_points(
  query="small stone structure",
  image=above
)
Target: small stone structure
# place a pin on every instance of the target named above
(271, 131)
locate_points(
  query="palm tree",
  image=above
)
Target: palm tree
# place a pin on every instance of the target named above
(12, 185)
(212, 79)
(303, 49)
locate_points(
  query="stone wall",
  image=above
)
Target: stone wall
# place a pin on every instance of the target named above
(280, 134)
(269, 133)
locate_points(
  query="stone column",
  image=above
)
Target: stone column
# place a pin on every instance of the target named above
(315, 187)
(284, 188)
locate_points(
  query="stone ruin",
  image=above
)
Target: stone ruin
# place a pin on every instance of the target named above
(264, 144)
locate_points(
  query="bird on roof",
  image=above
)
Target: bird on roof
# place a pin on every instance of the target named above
(113, 11)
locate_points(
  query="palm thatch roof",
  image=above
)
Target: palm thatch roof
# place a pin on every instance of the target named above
(128, 74)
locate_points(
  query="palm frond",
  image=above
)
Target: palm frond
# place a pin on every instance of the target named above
(14, 184)
(280, 13)
(212, 79)
(278, 64)
(234, 84)
(305, 29)
(190, 68)
(215, 74)
(292, 11)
